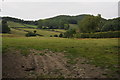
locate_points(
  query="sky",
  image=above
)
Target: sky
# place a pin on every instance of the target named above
(34, 9)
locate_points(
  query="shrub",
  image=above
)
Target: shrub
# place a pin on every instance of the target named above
(55, 35)
(5, 28)
(110, 34)
(30, 34)
(61, 35)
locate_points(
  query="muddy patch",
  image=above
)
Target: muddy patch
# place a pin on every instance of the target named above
(46, 64)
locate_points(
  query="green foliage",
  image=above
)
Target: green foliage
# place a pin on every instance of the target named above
(61, 35)
(20, 21)
(89, 24)
(69, 33)
(50, 35)
(5, 28)
(59, 22)
(111, 25)
(110, 34)
(55, 35)
(30, 34)
(25, 52)
(66, 26)
(34, 31)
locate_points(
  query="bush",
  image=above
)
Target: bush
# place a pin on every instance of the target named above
(50, 35)
(55, 35)
(61, 35)
(110, 34)
(30, 34)
(5, 28)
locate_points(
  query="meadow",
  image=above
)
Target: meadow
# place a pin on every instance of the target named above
(100, 52)
(47, 52)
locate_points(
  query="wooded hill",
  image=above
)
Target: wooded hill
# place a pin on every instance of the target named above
(88, 22)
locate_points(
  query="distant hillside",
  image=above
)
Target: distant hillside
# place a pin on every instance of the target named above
(20, 20)
(49, 23)
(12, 24)
(59, 22)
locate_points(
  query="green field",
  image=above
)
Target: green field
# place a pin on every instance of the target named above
(101, 52)
(15, 24)
(45, 33)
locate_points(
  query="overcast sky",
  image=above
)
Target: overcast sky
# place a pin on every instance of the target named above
(40, 10)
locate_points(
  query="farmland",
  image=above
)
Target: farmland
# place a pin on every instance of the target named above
(100, 52)
(54, 48)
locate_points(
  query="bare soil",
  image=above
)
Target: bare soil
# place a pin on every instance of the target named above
(47, 64)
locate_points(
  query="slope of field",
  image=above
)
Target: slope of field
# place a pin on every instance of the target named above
(58, 30)
(14, 33)
(100, 52)
(18, 32)
(45, 33)
(15, 24)
(32, 26)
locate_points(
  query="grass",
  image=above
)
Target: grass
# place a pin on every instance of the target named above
(33, 26)
(45, 33)
(59, 30)
(101, 52)
(14, 24)
(42, 54)
(18, 32)
(25, 52)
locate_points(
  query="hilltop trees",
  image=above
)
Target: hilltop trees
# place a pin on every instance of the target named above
(66, 26)
(20, 20)
(111, 25)
(89, 24)
(5, 28)
(59, 22)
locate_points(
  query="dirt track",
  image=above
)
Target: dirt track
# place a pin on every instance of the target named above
(46, 64)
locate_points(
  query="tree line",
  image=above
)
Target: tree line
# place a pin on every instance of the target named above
(86, 24)
(94, 24)
(59, 22)
(20, 20)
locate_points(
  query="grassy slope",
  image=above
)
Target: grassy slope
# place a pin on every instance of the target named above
(14, 24)
(33, 26)
(101, 52)
(59, 30)
(42, 32)
(14, 33)
(22, 33)
(18, 32)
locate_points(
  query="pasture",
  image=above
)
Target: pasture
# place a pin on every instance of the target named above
(99, 52)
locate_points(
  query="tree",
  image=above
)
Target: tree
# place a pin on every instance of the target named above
(66, 26)
(55, 35)
(30, 34)
(40, 22)
(69, 33)
(111, 25)
(61, 35)
(5, 28)
(35, 31)
(89, 24)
